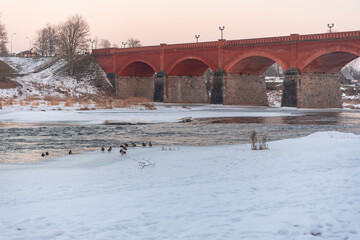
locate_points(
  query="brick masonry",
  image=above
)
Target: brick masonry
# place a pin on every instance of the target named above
(185, 89)
(135, 87)
(319, 91)
(245, 90)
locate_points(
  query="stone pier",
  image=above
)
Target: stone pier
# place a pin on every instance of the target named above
(312, 91)
(244, 90)
(185, 89)
(135, 87)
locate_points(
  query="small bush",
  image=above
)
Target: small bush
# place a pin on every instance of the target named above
(258, 145)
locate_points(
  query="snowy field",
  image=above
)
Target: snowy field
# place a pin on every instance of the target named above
(306, 188)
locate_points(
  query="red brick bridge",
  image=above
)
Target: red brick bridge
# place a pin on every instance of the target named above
(179, 73)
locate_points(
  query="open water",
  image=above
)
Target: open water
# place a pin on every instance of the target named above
(24, 142)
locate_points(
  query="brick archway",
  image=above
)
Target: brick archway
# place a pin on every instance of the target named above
(134, 66)
(339, 54)
(262, 57)
(195, 64)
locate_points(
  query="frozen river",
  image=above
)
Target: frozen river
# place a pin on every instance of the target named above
(24, 142)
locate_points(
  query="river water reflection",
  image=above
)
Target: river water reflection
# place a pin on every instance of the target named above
(24, 142)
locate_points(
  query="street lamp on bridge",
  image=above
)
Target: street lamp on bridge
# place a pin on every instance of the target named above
(11, 42)
(197, 37)
(330, 26)
(92, 44)
(124, 43)
(222, 29)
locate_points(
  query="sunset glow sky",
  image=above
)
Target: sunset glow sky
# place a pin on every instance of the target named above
(167, 21)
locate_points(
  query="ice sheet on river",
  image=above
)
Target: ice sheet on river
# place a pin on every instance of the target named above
(133, 116)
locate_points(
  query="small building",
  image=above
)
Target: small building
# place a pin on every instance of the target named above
(28, 53)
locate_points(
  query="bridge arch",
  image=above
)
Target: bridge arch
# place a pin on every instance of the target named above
(190, 64)
(254, 63)
(137, 66)
(329, 60)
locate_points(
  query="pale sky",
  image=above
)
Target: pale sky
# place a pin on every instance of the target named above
(166, 21)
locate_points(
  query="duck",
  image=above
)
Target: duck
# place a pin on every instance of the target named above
(126, 145)
(102, 149)
(110, 148)
(122, 152)
(47, 153)
(43, 154)
(133, 144)
(150, 145)
(123, 147)
(143, 144)
(70, 152)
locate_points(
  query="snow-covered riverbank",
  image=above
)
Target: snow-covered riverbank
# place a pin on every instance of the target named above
(305, 188)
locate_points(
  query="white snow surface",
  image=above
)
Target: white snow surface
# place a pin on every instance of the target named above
(301, 189)
(25, 65)
(163, 113)
(44, 83)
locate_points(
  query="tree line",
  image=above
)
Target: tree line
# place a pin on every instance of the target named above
(67, 39)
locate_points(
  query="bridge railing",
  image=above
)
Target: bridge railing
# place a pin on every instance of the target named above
(255, 41)
(323, 36)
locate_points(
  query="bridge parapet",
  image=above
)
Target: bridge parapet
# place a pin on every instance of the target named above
(224, 43)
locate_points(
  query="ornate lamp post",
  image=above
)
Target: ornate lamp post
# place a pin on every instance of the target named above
(124, 43)
(330, 26)
(197, 38)
(11, 42)
(92, 44)
(222, 29)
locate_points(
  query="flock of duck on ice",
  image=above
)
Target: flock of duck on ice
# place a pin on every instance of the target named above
(123, 148)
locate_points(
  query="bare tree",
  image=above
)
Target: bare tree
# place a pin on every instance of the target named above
(41, 42)
(104, 43)
(3, 39)
(51, 39)
(45, 40)
(72, 39)
(133, 42)
(97, 41)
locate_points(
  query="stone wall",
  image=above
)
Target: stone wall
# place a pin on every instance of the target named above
(185, 89)
(135, 87)
(289, 91)
(245, 90)
(319, 91)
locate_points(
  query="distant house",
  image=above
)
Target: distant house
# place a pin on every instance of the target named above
(28, 53)
(346, 77)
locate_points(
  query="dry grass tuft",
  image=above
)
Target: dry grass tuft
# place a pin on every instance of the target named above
(149, 106)
(83, 109)
(69, 103)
